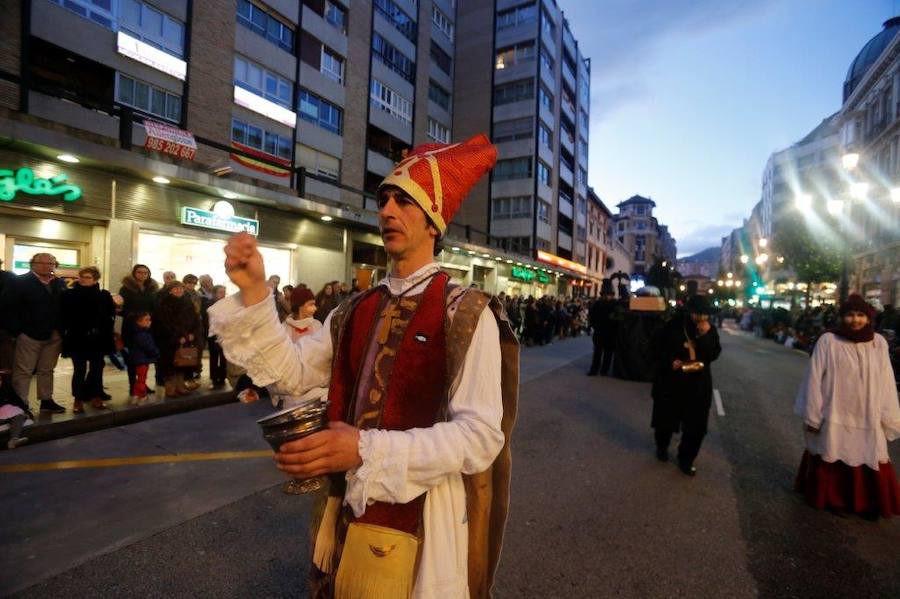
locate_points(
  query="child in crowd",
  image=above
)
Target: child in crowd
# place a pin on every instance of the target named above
(300, 321)
(142, 352)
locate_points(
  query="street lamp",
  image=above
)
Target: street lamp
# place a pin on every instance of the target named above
(745, 258)
(803, 202)
(763, 242)
(859, 190)
(850, 160)
(835, 207)
(895, 194)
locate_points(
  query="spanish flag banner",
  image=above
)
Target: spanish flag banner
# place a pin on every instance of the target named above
(259, 165)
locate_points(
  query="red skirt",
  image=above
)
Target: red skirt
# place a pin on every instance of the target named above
(859, 489)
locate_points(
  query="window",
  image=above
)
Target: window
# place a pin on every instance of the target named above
(581, 176)
(545, 135)
(398, 18)
(514, 168)
(544, 211)
(442, 22)
(152, 26)
(546, 60)
(390, 101)
(547, 24)
(545, 98)
(513, 129)
(320, 112)
(438, 132)
(332, 65)
(261, 82)
(336, 15)
(258, 138)
(514, 91)
(543, 173)
(439, 95)
(441, 58)
(517, 15)
(564, 223)
(516, 207)
(147, 98)
(396, 60)
(519, 245)
(318, 162)
(262, 23)
(98, 11)
(516, 54)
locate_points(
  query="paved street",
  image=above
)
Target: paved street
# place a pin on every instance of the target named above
(593, 513)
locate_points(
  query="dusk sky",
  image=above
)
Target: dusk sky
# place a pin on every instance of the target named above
(689, 98)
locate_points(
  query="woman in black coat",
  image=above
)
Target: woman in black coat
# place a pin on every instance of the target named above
(683, 388)
(88, 313)
(174, 325)
(139, 293)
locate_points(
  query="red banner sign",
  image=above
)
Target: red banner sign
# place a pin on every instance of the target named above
(170, 140)
(561, 262)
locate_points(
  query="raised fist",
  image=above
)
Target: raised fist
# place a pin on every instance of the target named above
(245, 268)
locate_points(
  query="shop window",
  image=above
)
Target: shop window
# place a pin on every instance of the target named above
(385, 98)
(514, 91)
(147, 98)
(152, 26)
(266, 25)
(439, 95)
(260, 139)
(320, 112)
(395, 60)
(262, 82)
(318, 162)
(98, 11)
(438, 132)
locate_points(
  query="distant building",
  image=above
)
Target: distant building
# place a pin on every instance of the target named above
(705, 264)
(642, 235)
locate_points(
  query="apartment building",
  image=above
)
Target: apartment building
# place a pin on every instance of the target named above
(179, 122)
(537, 86)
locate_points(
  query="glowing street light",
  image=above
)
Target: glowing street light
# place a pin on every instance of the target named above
(859, 191)
(720, 282)
(737, 283)
(729, 283)
(850, 160)
(730, 275)
(895, 194)
(745, 258)
(763, 242)
(835, 207)
(780, 259)
(803, 202)
(762, 258)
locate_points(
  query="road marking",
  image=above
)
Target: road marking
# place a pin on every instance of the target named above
(720, 409)
(136, 460)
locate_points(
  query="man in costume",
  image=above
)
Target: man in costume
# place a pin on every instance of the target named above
(682, 389)
(601, 316)
(422, 378)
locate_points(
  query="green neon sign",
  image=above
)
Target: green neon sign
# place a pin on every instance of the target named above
(528, 275)
(23, 179)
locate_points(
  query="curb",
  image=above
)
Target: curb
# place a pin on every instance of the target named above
(38, 433)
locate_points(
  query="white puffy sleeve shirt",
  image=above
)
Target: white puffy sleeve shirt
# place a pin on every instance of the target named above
(850, 395)
(397, 466)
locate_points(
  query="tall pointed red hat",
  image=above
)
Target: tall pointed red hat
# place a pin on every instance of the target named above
(439, 176)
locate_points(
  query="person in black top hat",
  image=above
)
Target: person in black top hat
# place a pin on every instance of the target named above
(682, 389)
(604, 326)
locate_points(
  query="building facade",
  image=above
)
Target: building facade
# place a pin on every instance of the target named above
(537, 88)
(638, 231)
(869, 120)
(179, 122)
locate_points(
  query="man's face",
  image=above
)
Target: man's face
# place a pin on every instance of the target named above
(43, 265)
(698, 318)
(404, 227)
(190, 286)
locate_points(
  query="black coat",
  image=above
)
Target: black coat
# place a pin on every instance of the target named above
(32, 308)
(601, 318)
(175, 318)
(88, 314)
(683, 397)
(136, 298)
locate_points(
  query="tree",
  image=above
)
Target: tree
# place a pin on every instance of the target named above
(816, 258)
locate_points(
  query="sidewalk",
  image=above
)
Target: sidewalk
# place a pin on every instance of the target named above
(118, 412)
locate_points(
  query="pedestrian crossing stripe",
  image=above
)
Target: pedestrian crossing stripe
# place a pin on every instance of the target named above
(135, 461)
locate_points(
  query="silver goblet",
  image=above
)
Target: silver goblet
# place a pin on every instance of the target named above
(295, 423)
